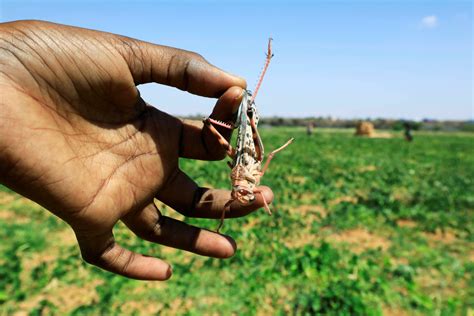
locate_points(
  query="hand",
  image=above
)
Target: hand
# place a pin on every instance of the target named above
(76, 137)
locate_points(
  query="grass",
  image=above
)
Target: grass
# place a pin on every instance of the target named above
(361, 226)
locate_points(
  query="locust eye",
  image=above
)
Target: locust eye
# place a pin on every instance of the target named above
(243, 192)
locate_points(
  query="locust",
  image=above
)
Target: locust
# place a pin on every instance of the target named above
(248, 154)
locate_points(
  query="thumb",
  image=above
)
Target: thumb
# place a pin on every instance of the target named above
(174, 67)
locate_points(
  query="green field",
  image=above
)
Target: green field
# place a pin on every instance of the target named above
(360, 226)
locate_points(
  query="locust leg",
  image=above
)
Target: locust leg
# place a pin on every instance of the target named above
(272, 154)
(264, 70)
(256, 140)
(227, 205)
(265, 204)
(221, 139)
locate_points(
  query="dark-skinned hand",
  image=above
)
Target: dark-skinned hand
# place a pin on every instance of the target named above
(77, 138)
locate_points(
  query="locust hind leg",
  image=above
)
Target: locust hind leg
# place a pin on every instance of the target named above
(221, 139)
(272, 154)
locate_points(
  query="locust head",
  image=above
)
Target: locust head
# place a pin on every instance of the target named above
(243, 185)
(244, 194)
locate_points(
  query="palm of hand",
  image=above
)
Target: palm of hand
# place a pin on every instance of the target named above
(88, 148)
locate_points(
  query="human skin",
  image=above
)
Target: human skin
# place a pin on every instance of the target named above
(77, 138)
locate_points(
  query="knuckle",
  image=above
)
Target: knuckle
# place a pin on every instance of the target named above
(127, 261)
(134, 54)
(90, 258)
(177, 71)
(154, 232)
(196, 56)
(180, 66)
(98, 258)
(157, 229)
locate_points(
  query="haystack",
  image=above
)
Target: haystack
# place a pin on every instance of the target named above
(365, 129)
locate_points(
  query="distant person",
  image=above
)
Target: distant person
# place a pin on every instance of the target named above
(309, 128)
(407, 133)
(76, 137)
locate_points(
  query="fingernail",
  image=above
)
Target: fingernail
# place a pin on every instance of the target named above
(169, 273)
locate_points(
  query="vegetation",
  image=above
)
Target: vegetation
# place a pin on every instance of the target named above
(379, 123)
(361, 226)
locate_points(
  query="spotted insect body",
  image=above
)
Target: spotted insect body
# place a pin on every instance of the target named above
(247, 156)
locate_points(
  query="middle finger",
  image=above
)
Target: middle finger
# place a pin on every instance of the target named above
(183, 195)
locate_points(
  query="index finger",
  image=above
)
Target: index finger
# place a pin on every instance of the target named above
(178, 68)
(183, 195)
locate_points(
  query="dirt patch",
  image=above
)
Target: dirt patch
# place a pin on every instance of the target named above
(300, 239)
(6, 198)
(211, 300)
(10, 216)
(65, 297)
(367, 168)
(266, 308)
(32, 260)
(406, 223)
(307, 197)
(139, 302)
(147, 287)
(382, 135)
(339, 200)
(309, 211)
(65, 237)
(362, 194)
(360, 240)
(393, 311)
(401, 194)
(27, 203)
(304, 236)
(432, 281)
(297, 179)
(252, 222)
(179, 306)
(142, 307)
(400, 261)
(276, 300)
(339, 183)
(439, 236)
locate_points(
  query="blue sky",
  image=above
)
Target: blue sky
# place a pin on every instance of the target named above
(346, 59)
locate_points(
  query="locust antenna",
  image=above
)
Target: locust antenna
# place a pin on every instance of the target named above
(264, 70)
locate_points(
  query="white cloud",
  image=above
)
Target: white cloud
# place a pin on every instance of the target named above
(429, 21)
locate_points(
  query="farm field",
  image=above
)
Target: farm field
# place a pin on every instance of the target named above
(373, 226)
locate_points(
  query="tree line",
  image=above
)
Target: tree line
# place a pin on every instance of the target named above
(379, 123)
